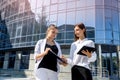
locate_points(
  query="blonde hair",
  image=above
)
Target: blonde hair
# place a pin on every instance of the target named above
(51, 27)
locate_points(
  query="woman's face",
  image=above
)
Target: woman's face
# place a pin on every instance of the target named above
(79, 32)
(52, 33)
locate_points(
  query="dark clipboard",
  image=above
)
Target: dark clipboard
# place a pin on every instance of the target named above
(90, 49)
(58, 57)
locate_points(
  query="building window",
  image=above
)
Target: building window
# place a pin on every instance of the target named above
(2, 55)
(11, 60)
(24, 64)
(19, 31)
(54, 1)
(21, 7)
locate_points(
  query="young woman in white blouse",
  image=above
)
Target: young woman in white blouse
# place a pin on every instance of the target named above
(47, 65)
(80, 63)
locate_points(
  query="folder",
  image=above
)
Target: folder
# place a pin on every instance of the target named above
(90, 49)
(58, 57)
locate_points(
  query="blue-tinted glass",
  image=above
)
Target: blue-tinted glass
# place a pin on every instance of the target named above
(108, 13)
(17, 40)
(108, 2)
(11, 60)
(99, 19)
(109, 35)
(90, 17)
(42, 36)
(80, 3)
(25, 60)
(46, 2)
(69, 35)
(90, 33)
(116, 35)
(114, 3)
(100, 35)
(60, 35)
(53, 8)
(62, 6)
(30, 26)
(24, 28)
(70, 18)
(61, 1)
(61, 20)
(80, 16)
(29, 38)
(115, 20)
(90, 2)
(70, 5)
(54, 1)
(53, 18)
(23, 39)
(36, 37)
(2, 55)
(108, 24)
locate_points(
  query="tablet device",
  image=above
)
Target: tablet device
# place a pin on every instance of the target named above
(58, 57)
(90, 49)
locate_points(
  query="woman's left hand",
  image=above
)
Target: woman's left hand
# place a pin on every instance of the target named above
(86, 52)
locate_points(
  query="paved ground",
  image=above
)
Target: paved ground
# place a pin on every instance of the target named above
(10, 78)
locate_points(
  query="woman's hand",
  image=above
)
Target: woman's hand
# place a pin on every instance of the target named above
(46, 51)
(39, 56)
(86, 52)
(65, 60)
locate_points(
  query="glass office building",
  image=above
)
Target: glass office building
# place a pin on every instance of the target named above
(24, 22)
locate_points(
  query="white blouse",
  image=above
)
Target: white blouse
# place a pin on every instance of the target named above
(39, 48)
(80, 60)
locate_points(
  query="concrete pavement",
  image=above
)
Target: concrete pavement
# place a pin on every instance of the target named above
(11, 78)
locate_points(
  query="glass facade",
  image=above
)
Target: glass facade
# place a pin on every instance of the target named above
(2, 60)
(27, 20)
(107, 22)
(24, 22)
(24, 63)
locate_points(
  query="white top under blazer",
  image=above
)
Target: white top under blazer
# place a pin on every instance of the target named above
(39, 48)
(80, 60)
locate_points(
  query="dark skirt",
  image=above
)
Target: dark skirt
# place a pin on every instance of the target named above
(81, 73)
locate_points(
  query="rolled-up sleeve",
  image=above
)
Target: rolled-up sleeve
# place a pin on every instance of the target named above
(70, 59)
(94, 56)
(37, 49)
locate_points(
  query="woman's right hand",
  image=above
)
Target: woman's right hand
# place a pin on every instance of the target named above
(46, 51)
(65, 60)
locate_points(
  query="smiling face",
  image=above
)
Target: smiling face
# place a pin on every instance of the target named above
(79, 32)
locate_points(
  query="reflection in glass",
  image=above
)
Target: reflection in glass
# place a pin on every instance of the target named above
(53, 18)
(80, 16)
(53, 8)
(70, 5)
(61, 20)
(2, 55)
(62, 6)
(70, 18)
(24, 64)
(54, 1)
(11, 60)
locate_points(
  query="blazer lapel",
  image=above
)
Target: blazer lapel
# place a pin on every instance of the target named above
(43, 45)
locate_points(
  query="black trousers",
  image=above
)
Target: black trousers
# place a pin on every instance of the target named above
(81, 73)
